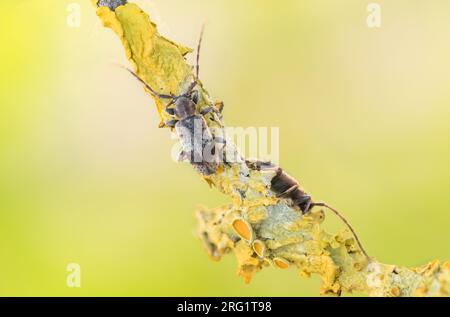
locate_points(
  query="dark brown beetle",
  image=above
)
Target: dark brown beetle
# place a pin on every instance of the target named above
(285, 186)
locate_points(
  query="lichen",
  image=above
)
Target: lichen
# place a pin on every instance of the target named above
(260, 229)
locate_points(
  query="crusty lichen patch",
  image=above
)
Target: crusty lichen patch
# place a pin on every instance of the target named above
(260, 229)
(157, 60)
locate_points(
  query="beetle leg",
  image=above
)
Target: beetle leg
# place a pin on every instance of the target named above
(206, 110)
(195, 96)
(170, 123)
(161, 96)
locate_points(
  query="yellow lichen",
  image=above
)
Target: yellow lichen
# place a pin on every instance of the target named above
(248, 265)
(256, 214)
(157, 60)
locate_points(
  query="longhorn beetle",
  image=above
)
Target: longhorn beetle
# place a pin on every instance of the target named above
(197, 142)
(285, 186)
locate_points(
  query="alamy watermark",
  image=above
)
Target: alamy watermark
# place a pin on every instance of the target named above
(198, 143)
(74, 15)
(374, 18)
(73, 279)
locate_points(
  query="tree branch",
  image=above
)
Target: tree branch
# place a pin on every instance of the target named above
(260, 228)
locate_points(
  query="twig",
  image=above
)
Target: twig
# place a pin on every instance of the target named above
(260, 228)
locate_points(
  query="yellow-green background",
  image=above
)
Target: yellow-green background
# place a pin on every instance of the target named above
(86, 175)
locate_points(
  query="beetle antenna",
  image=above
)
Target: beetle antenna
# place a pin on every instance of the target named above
(197, 66)
(349, 226)
(197, 70)
(162, 96)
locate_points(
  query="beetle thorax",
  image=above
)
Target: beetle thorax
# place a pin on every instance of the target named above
(185, 107)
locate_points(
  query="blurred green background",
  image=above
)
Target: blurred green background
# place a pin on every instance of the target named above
(86, 175)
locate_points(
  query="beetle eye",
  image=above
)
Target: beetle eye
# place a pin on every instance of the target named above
(195, 97)
(170, 111)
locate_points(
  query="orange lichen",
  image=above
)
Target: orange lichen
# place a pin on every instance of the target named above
(259, 247)
(243, 229)
(281, 263)
(395, 291)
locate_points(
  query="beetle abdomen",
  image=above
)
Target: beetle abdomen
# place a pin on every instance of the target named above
(198, 144)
